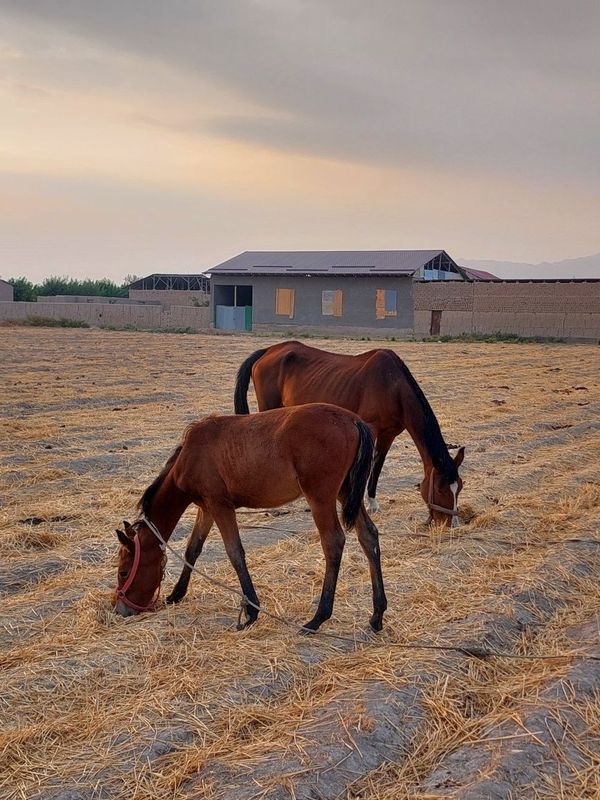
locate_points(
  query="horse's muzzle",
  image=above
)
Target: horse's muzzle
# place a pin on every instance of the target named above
(124, 610)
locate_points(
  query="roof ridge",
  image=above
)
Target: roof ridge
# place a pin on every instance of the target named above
(403, 262)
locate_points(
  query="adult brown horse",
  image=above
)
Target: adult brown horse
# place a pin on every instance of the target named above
(379, 387)
(260, 461)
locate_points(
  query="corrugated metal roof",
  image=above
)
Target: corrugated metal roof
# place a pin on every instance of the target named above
(480, 274)
(333, 262)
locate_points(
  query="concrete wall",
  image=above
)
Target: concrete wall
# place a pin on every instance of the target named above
(358, 303)
(119, 315)
(6, 291)
(170, 297)
(568, 310)
(87, 298)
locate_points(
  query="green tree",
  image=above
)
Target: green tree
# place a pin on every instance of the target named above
(23, 290)
(98, 288)
(55, 285)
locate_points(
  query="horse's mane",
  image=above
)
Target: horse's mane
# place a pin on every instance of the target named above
(432, 435)
(146, 499)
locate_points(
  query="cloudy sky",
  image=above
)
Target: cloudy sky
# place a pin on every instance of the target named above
(167, 135)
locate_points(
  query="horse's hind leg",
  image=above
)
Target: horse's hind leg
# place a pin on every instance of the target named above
(227, 524)
(368, 536)
(332, 542)
(197, 538)
(268, 395)
(382, 446)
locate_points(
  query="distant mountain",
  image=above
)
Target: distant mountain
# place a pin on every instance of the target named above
(586, 267)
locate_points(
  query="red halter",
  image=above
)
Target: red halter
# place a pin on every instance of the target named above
(121, 590)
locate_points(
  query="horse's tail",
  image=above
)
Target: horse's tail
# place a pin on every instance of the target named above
(355, 482)
(242, 382)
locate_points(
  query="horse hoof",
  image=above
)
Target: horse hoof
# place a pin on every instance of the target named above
(310, 627)
(173, 598)
(372, 505)
(241, 626)
(376, 624)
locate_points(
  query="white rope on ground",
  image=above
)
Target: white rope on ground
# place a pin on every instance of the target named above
(474, 538)
(475, 651)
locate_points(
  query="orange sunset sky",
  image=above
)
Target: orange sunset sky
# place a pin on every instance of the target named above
(148, 136)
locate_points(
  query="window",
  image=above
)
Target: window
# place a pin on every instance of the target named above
(386, 303)
(284, 302)
(331, 303)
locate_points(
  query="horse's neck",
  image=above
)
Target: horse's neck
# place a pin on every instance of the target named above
(424, 430)
(167, 507)
(426, 456)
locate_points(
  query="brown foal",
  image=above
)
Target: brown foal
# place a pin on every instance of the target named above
(256, 461)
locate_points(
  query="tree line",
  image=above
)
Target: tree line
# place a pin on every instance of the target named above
(25, 290)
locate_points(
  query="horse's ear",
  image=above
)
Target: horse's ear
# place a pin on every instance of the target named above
(458, 458)
(125, 540)
(129, 530)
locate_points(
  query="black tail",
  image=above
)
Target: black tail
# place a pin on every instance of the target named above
(355, 482)
(242, 382)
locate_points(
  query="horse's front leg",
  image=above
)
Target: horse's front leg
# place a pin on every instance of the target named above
(227, 524)
(382, 446)
(200, 531)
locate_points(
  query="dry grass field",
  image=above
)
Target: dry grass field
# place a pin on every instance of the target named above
(179, 704)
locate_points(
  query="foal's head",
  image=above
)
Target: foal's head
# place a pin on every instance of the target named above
(141, 569)
(440, 489)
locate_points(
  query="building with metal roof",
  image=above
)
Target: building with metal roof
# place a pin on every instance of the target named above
(6, 291)
(317, 290)
(339, 262)
(172, 289)
(173, 282)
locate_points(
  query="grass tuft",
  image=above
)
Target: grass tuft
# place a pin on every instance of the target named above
(34, 321)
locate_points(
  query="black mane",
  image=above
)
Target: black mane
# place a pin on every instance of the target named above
(145, 501)
(432, 435)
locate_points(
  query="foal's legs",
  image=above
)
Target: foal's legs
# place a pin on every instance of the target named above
(197, 538)
(382, 446)
(332, 542)
(368, 536)
(227, 524)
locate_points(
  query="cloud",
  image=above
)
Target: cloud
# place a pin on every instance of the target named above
(145, 135)
(473, 83)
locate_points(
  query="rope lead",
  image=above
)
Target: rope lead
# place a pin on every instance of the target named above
(471, 651)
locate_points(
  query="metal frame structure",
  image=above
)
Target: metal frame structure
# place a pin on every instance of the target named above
(185, 283)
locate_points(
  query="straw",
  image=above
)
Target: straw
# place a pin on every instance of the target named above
(179, 704)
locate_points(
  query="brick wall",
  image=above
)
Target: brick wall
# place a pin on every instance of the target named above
(568, 310)
(119, 315)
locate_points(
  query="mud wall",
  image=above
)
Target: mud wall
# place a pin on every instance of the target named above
(568, 310)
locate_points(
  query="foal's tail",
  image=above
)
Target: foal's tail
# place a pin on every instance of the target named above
(242, 382)
(355, 482)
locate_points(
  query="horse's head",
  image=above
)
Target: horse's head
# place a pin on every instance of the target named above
(141, 569)
(440, 489)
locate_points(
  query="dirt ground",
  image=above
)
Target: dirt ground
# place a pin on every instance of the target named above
(179, 704)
